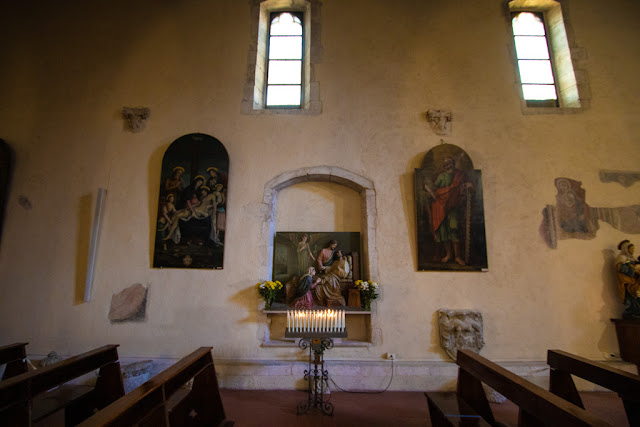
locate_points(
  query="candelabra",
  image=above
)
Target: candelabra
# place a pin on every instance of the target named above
(316, 330)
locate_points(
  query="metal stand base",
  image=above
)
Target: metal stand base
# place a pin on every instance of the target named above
(316, 377)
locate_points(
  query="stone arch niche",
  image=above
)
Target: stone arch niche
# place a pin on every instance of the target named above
(336, 175)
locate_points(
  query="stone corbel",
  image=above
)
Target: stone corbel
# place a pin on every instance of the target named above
(439, 121)
(136, 117)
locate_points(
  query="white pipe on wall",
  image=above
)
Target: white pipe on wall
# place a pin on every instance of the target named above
(93, 246)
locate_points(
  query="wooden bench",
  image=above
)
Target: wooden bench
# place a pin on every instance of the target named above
(469, 404)
(34, 395)
(163, 401)
(15, 357)
(564, 364)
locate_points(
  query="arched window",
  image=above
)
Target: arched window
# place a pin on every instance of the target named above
(284, 72)
(285, 46)
(550, 68)
(534, 60)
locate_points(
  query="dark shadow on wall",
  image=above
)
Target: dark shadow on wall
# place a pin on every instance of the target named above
(6, 169)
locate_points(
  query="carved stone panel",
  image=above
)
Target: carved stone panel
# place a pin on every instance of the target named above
(460, 329)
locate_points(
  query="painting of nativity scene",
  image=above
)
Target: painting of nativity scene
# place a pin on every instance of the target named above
(317, 269)
(190, 228)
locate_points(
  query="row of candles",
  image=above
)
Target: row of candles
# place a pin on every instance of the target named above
(315, 320)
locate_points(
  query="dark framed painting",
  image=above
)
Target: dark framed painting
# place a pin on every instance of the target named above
(450, 212)
(192, 206)
(295, 252)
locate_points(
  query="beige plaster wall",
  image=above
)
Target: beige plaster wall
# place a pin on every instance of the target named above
(68, 69)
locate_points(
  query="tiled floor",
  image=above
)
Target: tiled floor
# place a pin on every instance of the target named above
(278, 408)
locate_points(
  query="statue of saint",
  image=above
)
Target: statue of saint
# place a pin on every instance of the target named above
(628, 270)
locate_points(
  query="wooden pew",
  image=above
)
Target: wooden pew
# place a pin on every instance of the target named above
(564, 364)
(469, 405)
(32, 396)
(15, 357)
(163, 401)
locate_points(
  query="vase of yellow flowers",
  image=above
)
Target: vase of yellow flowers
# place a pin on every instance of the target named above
(268, 290)
(368, 292)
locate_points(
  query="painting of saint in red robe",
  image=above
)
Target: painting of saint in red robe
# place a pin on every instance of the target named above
(450, 212)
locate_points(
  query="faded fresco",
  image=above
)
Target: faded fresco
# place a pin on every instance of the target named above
(572, 218)
(192, 211)
(624, 178)
(450, 212)
(316, 268)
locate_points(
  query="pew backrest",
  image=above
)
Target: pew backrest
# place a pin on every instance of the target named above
(18, 394)
(536, 404)
(15, 357)
(163, 400)
(563, 365)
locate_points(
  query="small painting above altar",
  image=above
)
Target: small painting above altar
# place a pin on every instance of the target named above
(450, 212)
(316, 268)
(192, 204)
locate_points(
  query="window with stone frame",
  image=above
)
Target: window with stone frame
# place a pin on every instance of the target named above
(284, 61)
(263, 79)
(547, 66)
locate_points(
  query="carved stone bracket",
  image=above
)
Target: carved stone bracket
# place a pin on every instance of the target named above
(136, 117)
(439, 121)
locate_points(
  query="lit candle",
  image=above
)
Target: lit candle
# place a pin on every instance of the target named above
(343, 319)
(288, 319)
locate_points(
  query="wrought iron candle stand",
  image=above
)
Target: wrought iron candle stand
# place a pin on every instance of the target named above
(317, 343)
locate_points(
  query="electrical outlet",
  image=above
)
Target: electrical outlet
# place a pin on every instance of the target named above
(392, 356)
(610, 356)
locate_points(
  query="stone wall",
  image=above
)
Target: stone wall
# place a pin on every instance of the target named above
(70, 67)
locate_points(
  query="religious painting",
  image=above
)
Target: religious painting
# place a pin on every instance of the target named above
(330, 261)
(192, 206)
(450, 212)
